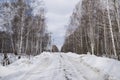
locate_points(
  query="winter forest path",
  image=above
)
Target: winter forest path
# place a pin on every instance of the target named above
(59, 66)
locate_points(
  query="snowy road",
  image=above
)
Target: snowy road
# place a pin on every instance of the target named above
(59, 66)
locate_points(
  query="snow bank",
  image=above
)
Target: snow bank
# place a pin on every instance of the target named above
(72, 55)
(4, 71)
(109, 66)
(53, 65)
(17, 66)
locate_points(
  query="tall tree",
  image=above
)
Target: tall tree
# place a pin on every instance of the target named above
(94, 28)
(26, 24)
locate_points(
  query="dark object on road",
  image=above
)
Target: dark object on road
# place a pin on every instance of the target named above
(54, 48)
(6, 60)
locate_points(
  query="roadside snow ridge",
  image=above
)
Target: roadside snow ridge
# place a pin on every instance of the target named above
(57, 66)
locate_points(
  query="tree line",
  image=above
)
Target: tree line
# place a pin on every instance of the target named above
(23, 27)
(94, 27)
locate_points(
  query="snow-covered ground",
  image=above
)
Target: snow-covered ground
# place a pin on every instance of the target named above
(62, 66)
(12, 57)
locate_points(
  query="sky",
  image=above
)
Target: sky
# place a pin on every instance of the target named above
(58, 16)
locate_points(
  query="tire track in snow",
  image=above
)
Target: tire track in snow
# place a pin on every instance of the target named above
(83, 70)
(70, 72)
(41, 67)
(101, 75)
(38, 70)
(63, 67)
(106, 76)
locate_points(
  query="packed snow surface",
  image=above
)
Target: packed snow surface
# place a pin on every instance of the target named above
(62, 66)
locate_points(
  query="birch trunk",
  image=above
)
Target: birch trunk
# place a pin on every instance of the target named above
(91, 36)
(26, 49)
(111, 31)
(117, 13)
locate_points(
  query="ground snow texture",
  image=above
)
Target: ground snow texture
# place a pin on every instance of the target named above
(62, 66)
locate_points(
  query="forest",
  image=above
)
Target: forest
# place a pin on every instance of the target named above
(23, 28)
(37, 42)
(94, 28)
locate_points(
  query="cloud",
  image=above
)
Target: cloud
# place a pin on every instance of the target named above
(60, 6)
(56, 18)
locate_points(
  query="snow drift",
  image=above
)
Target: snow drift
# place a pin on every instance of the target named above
(62, 66)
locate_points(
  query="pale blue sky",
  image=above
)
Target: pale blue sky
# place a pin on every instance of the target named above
(58, 15)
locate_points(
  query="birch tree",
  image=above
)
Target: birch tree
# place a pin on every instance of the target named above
(28, 30)
(97, 29)
(111, 30)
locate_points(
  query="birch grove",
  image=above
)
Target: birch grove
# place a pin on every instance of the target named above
(23, 32)
(98, 28)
